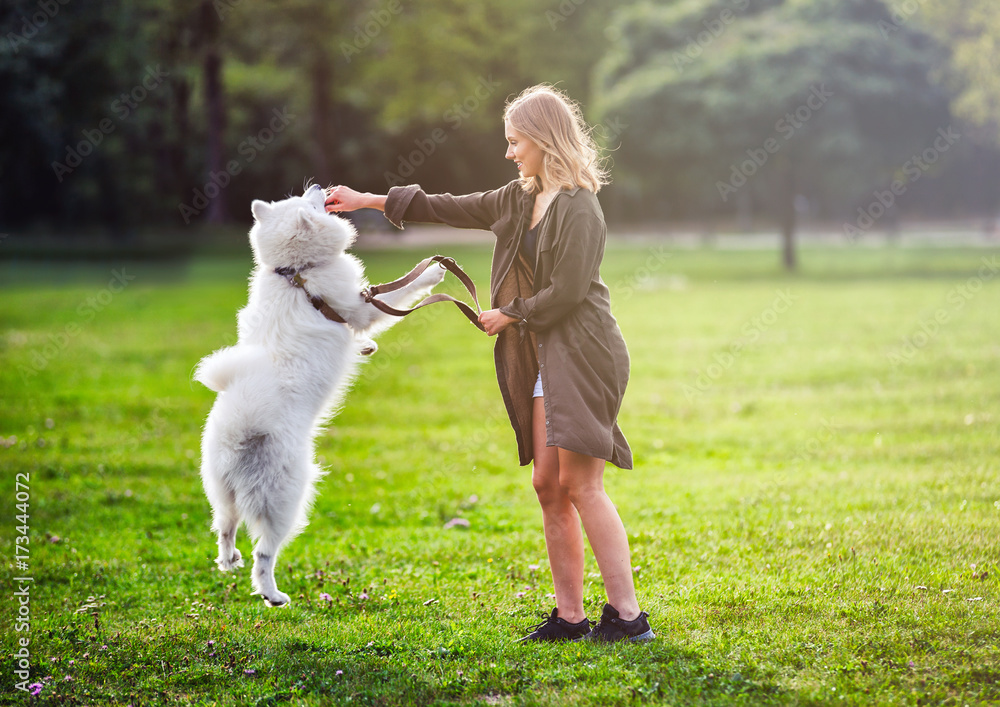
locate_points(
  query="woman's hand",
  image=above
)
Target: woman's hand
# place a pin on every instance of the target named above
(346, 199)
(495, 321)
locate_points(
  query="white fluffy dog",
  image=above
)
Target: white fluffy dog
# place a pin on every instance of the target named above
(285, 376)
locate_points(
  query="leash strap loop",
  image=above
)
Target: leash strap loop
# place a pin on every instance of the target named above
(370, 294)
(449, 264)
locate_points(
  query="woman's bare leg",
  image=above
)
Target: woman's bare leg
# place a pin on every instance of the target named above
(563, 537)
(582, 477)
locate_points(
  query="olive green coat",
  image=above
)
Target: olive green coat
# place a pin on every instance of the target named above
(566, 329)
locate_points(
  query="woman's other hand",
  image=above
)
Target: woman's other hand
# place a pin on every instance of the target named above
(495, 321)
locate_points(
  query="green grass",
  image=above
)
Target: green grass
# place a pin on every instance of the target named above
(814, 514)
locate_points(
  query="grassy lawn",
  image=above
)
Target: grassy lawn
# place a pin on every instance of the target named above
(814, 513)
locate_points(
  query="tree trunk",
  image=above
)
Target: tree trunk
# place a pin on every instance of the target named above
(211, 28)
(181, 187)
(216, 129)
(322, 119)
(787, 206)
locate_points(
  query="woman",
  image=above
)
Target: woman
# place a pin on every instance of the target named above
(561, 361)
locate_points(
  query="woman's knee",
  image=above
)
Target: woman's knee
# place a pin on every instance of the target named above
(578, 490)
(545, 481)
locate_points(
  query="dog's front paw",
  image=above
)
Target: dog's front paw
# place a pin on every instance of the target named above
(277, 598)
(233, 562)
(431, 277)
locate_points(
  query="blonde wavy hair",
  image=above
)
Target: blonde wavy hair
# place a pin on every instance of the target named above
(555, 123)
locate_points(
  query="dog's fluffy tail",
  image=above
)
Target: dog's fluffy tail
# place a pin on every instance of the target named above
(216, 371)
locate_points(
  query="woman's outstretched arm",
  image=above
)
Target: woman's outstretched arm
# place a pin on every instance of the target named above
(346, 199)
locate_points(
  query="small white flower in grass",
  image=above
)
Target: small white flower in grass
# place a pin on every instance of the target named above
(519, 595)
(533, 568)
(457, 523)
(249, 671)
(339, 672)
(325, 597)
(363, 596)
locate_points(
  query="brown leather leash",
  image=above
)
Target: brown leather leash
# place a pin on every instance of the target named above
(295, 279)
(445, 262)
(370, 294)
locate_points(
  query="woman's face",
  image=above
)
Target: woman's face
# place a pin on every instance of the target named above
(524, 152)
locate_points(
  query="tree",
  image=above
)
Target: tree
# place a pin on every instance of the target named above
(768, 100)
(971, 29)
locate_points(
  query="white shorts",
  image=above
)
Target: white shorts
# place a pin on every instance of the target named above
(538, 388)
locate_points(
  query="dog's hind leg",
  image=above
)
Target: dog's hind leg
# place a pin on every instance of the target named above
(281, 516)
(226, 524)
(263, 579)
(284, 515)
(225, 516)
(265, 556)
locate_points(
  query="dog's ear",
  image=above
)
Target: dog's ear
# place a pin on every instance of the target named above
(306, 220)
(260, 209)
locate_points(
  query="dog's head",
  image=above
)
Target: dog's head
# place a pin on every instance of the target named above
(297, 231)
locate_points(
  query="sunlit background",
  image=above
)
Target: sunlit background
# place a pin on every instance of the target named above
(125, 121)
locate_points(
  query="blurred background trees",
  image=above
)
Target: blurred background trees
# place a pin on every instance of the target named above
(140, 114)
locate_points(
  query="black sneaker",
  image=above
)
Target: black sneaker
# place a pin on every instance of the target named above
(556, 629)
(612, 628)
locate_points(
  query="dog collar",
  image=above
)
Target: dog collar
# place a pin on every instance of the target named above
(295, 279)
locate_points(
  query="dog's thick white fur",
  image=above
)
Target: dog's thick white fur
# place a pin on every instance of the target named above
(284, 378)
